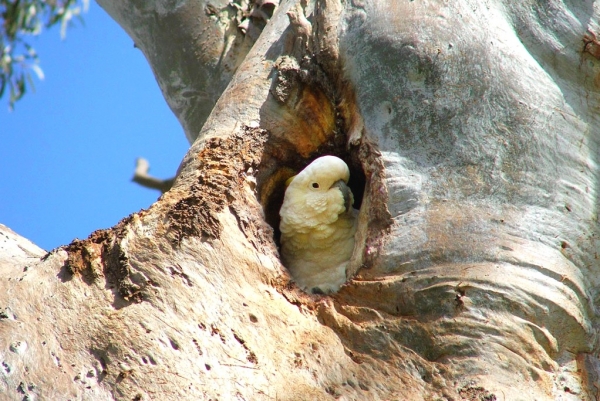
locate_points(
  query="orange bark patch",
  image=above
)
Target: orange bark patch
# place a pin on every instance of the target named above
(224, 165)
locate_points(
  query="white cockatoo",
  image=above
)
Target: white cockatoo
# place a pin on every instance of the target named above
(318, 225)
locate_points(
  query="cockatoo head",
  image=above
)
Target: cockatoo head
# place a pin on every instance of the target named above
(318, 194)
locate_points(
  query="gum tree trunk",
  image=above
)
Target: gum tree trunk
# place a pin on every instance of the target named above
(472, 130)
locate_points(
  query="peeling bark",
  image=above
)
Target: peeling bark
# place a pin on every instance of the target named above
(473, 137)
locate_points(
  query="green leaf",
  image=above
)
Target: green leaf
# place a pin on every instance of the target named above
(19, 20)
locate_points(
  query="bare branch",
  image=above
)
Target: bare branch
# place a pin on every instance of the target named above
(141, 176)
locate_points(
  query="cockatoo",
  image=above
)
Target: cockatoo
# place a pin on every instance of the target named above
(318, 225)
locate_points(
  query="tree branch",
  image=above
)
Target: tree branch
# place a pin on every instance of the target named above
(141, 176)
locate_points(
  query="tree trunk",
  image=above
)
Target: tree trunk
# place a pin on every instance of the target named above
(472, 132)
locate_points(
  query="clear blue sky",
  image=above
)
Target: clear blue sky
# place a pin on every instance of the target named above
(68, 151)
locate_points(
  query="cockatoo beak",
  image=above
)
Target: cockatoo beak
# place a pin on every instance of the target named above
(346, 193)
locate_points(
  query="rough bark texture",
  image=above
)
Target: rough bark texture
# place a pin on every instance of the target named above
(472, 131)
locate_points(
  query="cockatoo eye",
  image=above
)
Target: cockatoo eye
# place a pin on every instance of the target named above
(315, 185)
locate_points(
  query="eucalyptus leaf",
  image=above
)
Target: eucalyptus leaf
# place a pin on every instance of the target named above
(20, 20)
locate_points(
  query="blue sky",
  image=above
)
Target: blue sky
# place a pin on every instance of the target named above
(68, 151)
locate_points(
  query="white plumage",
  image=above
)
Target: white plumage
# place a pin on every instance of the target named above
(318, 225)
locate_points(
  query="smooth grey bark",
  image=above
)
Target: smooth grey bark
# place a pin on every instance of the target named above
(193, 47)
(484, 113)
(475, 128)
